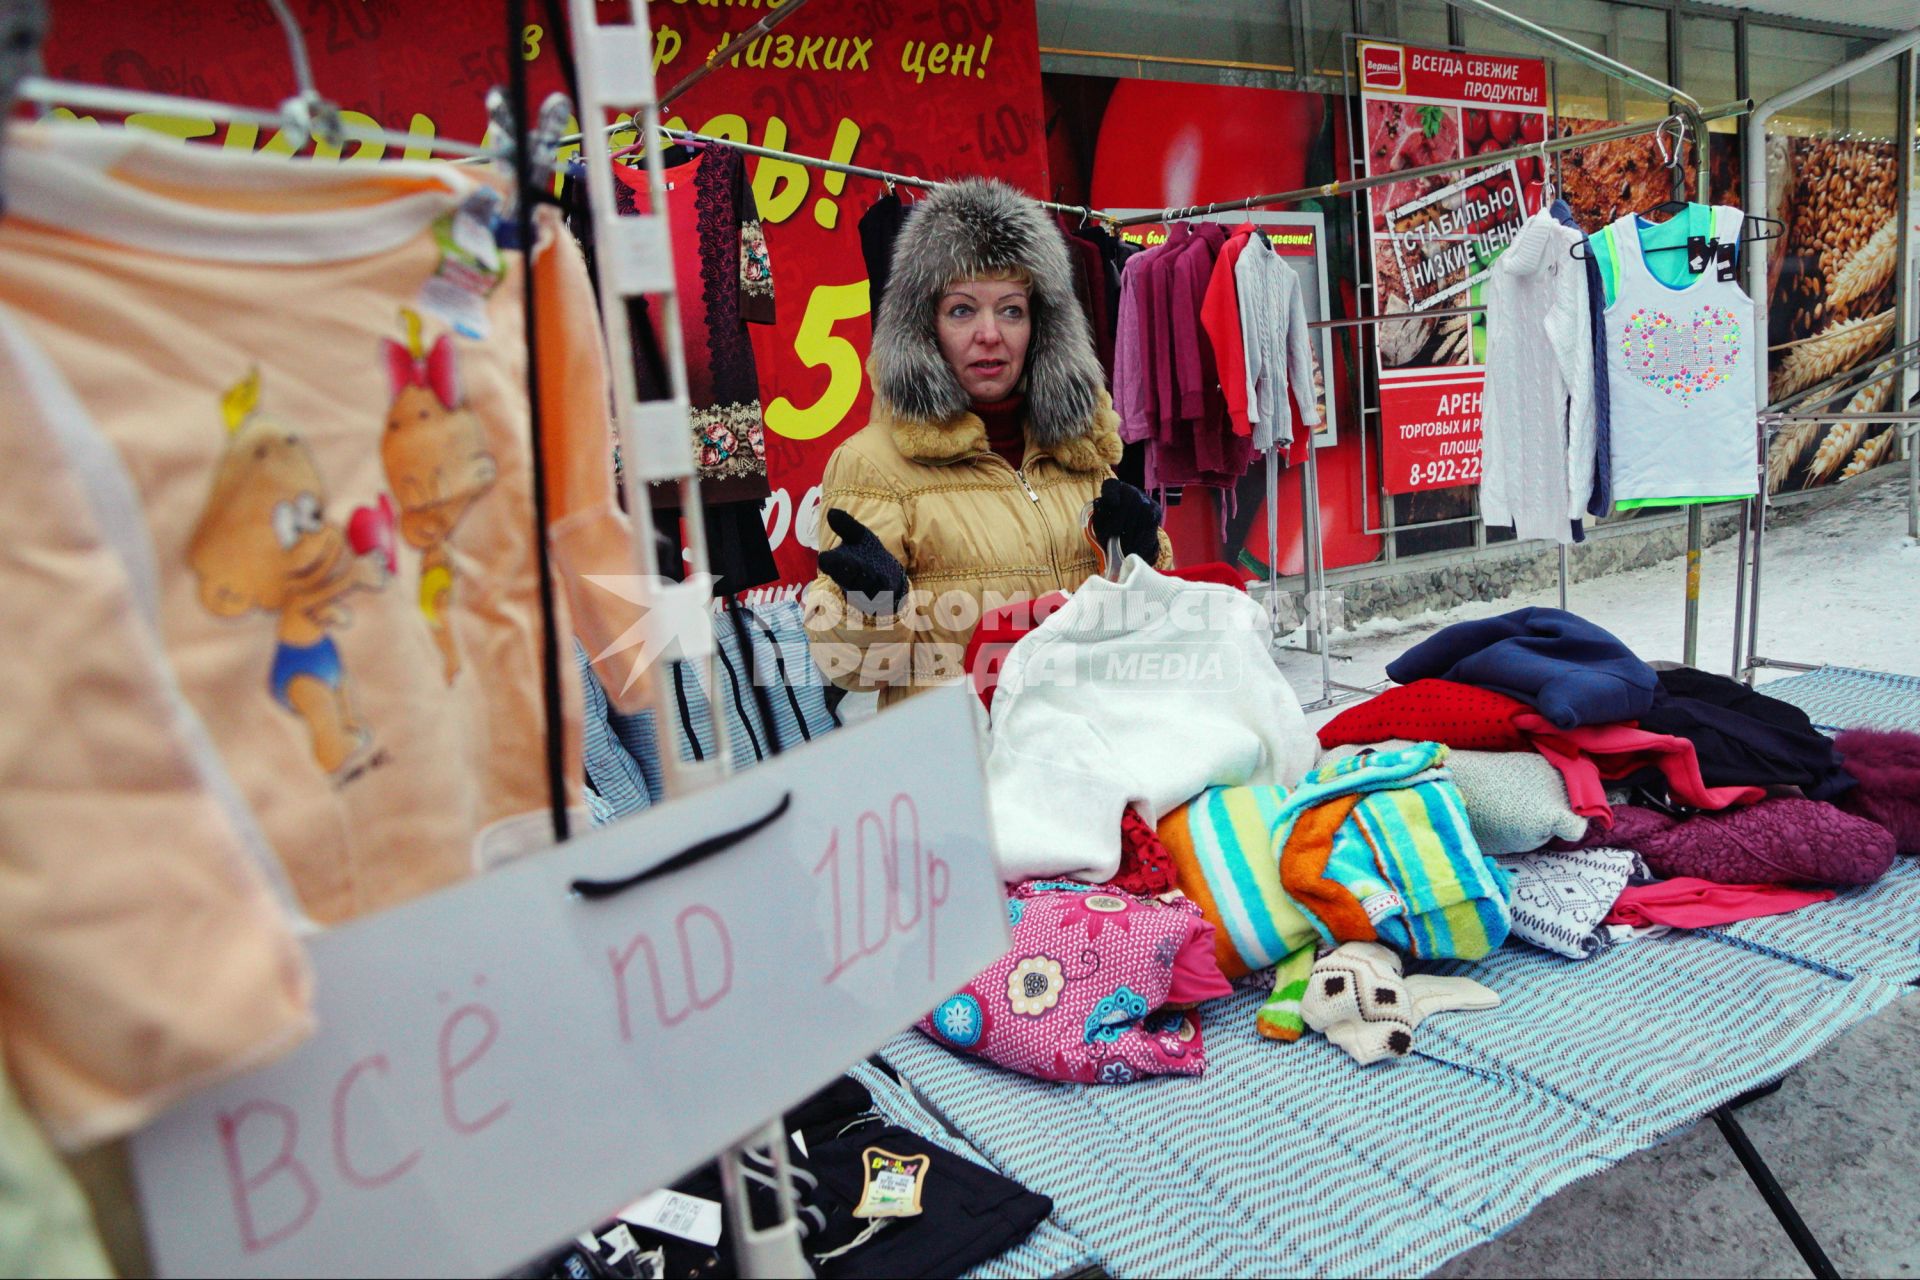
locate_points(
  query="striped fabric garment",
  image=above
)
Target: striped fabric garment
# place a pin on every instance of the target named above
(1222, 848)
(623, 751)
(1377, 847)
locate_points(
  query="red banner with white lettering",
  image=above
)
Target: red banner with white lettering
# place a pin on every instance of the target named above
(1433, 239)
(932, 88)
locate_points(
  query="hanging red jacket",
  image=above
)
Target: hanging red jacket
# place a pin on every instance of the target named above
(1220, 317)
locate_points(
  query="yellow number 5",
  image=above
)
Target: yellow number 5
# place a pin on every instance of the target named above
(816, 344)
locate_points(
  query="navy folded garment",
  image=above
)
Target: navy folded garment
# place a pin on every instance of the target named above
(1744, 738)
(1571, 671)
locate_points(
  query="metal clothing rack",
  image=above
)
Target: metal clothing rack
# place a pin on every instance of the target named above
(888, 176)
(1332, 693)
(1795, 408)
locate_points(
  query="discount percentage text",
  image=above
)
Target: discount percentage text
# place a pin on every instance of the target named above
(508, 1060)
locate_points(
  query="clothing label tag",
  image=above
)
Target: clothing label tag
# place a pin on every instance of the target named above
(1382, 905)
(1696, 254)
(470, 266)
(676, 1213)
(893, 1184)
(800, 1141)
(1728, 253)
(621, 1241)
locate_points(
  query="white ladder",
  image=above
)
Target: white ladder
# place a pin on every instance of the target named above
(634, 259)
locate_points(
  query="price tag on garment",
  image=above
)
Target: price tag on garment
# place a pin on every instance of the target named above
(1729, 260)
(507, 1060)
(893, 1184)
(676, 1213)
(1699, 253)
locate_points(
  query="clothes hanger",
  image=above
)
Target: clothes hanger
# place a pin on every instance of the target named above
(1675, 161)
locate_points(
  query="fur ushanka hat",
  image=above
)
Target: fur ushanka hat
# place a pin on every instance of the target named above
(978, 229)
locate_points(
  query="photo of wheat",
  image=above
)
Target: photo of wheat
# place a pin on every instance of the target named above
(1831, 286)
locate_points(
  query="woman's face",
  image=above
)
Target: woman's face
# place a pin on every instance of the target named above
(984, 327)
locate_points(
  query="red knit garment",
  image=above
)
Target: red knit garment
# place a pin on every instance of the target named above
(1146, 868)
(1460, 715)
(1220, 317)
(1006, 427)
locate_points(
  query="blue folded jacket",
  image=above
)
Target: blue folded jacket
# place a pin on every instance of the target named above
(1571, 671)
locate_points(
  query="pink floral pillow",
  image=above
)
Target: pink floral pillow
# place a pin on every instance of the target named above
(1093, 990)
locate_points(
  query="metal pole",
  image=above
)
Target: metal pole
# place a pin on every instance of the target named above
(1696, 515)
(719, 56)
(1903, 285)
(1317, 570)
(1578, 52)
(1770, 1191)
(1563, 577)
(1491, 159)
(1755, 168)
(1273, 547)
(1739, 668)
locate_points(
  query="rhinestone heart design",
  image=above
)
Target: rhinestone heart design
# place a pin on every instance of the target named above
(1683, 358)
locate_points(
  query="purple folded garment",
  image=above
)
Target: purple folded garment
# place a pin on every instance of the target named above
(1887, 763)
(1784, 841)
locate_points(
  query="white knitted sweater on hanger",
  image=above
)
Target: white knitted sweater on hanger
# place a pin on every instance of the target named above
(1279, 346)
(1145, 691)
(1537, 435)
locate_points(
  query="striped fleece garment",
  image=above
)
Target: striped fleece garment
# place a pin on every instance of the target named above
(1369, 848)
(1377, 847)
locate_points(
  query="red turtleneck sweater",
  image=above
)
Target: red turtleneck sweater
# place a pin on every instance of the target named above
(1006, 427)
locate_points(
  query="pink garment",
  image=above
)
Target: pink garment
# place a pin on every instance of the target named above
(1088, 992)
(1587, 755)
(1138, 352)
(1686, 903)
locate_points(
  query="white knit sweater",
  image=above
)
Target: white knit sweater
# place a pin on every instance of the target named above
(1279, 346)
(1536, 411)
(1143, 691)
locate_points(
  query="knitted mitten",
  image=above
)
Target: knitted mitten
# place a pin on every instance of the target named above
(863, 567)
(1122, 511)
(1357, 998)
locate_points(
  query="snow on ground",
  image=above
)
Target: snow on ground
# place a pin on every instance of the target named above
(1841, 586)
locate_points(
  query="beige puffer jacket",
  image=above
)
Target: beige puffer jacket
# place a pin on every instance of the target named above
(973, 533)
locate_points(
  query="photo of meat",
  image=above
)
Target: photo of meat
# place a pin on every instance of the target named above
(1420, 340)
(1609, 180)
(1406, 136)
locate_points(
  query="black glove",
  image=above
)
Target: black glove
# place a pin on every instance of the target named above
(873, 580)
(1122, 511)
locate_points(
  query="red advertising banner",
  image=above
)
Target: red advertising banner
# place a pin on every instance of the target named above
(932, 88)
(1433, 239)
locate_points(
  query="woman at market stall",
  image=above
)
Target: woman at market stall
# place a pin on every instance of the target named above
(989, 451)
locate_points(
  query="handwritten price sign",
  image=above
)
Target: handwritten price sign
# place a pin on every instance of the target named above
(506, 1062)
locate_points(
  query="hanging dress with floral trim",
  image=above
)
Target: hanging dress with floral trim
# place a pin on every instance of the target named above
(725, 281)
